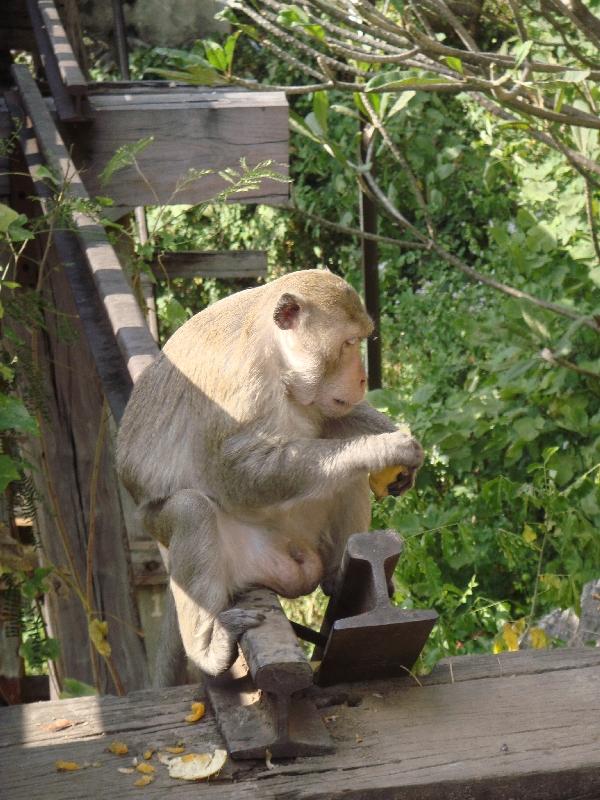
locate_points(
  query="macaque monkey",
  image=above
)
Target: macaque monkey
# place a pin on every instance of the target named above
(247, 446)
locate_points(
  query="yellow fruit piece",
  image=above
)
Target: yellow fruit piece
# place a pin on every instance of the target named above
(148, 754)
(381, 481)
(198, 711)
(118, 748)
(66, 766)
(178, 749)
(197, 766)
(144, 780)
(145, 769)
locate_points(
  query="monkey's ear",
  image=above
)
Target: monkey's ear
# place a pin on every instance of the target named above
(287, 312)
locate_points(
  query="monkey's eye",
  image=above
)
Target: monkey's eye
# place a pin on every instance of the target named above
(352, 341)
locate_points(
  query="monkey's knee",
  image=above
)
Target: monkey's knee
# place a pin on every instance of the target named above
(184, 511)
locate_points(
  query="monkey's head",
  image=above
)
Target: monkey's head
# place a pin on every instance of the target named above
(320, 323)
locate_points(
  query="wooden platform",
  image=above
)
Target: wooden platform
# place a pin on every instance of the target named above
(519, 725)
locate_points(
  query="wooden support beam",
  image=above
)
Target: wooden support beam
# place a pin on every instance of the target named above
(71, 75)
(68, 106)
(136, 345)
(192, 128)
(213, 129)
(67, 374)
(212, 264)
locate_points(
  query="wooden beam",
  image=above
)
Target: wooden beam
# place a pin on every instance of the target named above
(73, 407)
(68, 106)
(127, 322)
(191, 129)
(211, 264)
(521, 736)
(71, 75)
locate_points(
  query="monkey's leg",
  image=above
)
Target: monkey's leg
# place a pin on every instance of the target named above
(170, 667)
(350, 513)
(200, 584)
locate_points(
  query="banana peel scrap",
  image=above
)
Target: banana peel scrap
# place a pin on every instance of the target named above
(197, 766)
(118, 748)
(198, 711)
(144, 780)
(67, 766)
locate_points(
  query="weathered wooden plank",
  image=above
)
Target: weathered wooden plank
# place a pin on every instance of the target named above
(66, 105)
(522, 662)
(67, 470)
(207, 129)
(70, 73)
(526, 737)
(215, 264)
(129, 327)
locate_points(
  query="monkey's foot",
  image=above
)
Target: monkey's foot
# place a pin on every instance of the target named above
(222, 651)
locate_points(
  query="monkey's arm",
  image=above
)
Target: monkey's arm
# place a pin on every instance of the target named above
(361, 420)
(257, 472)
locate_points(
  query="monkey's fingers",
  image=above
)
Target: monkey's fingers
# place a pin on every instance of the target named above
(392, 481)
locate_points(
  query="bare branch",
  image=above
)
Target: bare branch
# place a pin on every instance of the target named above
(406, 244)
(474, 275)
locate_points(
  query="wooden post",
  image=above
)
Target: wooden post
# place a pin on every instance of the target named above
(370, 265)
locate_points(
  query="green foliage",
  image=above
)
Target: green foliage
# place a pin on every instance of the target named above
(75, 688)
(504, 523)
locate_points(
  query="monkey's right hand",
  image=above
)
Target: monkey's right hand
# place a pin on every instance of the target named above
(402, 449)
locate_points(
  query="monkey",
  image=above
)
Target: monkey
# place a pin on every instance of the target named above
(247, 446)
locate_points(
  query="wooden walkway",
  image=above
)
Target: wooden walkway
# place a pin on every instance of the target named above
(518, 725)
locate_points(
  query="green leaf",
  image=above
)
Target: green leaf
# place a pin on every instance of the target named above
(400, 103)
(455, 64)
(398, 80)
(229, 48)
(320, 109)
(74, 688)
(298, 125)
(125, 156)
(7, 217)
(575, 75)
(9, 471)
(216, 55)
(521, 52)
(43, 172)
(14, 416)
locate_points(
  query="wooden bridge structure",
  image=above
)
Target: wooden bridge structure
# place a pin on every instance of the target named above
(73, 127)
(518, 725)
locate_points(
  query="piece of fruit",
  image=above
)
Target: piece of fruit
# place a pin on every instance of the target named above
(67, 766)
(118, 748)
(198, 711)
(389, 481)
